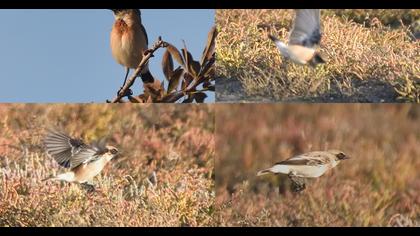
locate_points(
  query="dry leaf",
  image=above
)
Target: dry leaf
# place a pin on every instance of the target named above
(167, 65)
(175, 54)
(210, 47)
(174, 79)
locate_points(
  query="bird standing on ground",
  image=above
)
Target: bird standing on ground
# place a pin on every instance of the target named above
(129, 42)
(303, 39)
(83, 161)
(308, 165)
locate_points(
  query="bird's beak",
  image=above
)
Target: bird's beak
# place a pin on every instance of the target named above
(346, 157)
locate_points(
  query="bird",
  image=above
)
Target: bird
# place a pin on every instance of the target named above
(83, 161)
(308, 165)
(303, 39)
(129, 42)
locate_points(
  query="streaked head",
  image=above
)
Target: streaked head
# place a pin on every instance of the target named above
(339, 155)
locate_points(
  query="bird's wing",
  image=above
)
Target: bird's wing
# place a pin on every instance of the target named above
(90, 153)
(67, 151)
(280, 45)
(86, 155)
(302, 160)
(99, 146)
(306, 29)
(143, 30)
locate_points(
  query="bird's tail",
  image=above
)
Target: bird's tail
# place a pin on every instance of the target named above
(147, 77)
(264, 172)
(68, 177)
(274, 39)
(280, 45)
(51, 177)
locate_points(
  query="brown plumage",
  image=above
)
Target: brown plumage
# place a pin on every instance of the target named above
(129, 41)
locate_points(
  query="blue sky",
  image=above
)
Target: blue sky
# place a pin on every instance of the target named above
(64, 55)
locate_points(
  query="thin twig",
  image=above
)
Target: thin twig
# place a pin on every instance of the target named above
(148, 54)
(175, 96)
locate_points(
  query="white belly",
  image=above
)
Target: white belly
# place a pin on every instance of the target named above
(309, 171)
(301, 170)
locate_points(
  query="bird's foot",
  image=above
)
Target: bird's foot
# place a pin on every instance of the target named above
(298, 187)
(285, 67)
(298, 184)
(147, 51)
(88, 187)
(128, 92)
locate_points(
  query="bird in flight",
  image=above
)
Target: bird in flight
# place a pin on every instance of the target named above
(83, 161)
(303, 39)
(308, 165)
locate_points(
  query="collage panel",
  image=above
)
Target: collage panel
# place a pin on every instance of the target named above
(318, 55)
(107, 55)
(106, 165)
(300, 117)
(317, 164)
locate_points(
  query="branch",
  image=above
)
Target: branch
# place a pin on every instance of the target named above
(175, 96)
(124, 91)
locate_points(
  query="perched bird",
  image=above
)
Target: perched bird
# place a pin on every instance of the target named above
(308, 165)
(303, 39)
(129, 42)
(83, 161)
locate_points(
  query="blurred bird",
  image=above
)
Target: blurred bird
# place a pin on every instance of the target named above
(303, 39)
(83, 161)
(308, 165)
(129, 42)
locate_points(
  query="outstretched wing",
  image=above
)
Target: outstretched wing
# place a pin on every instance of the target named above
(67, 151)
(99, 146)
(306, 29)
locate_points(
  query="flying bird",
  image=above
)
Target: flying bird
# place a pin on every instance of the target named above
(129, 42)
(308, 165)
(303, 39)
(83, 161)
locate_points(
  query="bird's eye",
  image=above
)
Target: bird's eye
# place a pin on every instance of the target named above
(114, 151)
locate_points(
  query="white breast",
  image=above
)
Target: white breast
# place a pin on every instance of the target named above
(88, 171)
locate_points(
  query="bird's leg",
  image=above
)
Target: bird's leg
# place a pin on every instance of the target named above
(126, 75)
(284, 67)
(88, 186)
(125, 80)
(298, 184)
(147, 51)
